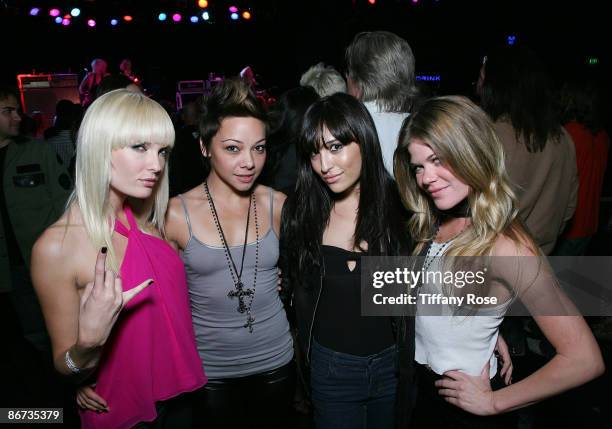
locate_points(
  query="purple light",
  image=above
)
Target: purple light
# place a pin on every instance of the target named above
(176, 17)
(65, 21)
(194, 19)
(233, 9)
(34, 11)
(54, 12)
(58, 19)
(91, 22)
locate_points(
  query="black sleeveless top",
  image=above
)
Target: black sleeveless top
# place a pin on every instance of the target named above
(339, 324)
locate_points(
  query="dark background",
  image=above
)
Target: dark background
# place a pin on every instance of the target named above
(285, 37)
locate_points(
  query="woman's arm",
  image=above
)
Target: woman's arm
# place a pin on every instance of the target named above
(577, 360)
(176, 229)
(279, 202)
(78, 326)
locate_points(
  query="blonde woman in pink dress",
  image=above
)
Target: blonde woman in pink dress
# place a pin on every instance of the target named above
(127, 324)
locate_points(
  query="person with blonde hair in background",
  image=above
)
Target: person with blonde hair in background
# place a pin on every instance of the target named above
(325, 80)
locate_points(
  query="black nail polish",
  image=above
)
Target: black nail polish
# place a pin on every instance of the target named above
(104, 249)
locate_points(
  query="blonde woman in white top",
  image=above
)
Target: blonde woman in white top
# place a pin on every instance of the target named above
(449, 166)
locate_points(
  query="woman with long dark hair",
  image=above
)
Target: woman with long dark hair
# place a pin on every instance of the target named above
(345, 206)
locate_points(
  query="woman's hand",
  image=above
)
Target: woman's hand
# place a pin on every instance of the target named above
(504, 355)
(470, 393)
(88, 399)
(101, 304)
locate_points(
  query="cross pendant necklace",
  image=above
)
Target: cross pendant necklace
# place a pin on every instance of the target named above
(239, 291)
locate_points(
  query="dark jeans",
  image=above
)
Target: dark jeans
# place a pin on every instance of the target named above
(432, 411)
(257, 401)
(353, 392)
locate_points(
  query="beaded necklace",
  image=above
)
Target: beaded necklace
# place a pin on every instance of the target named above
(239, 290)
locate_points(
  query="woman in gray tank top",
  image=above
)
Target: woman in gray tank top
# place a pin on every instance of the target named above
(227, 229)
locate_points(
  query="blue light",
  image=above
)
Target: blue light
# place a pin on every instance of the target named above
(162, 16)
(34, 11)
(234, 16)
(194, 19)
(114, 22)
(205, 16)
(58, 19)
(428, 77)
(511, 40)
(75, 12)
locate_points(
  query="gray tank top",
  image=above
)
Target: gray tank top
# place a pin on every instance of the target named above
(226, 347)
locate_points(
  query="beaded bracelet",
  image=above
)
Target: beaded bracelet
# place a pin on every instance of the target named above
(71, 365)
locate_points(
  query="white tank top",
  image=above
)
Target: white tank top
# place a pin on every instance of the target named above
(455, 342)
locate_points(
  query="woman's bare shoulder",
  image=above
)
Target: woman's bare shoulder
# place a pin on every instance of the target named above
(60, 241)
(263, 192)
(514, 244)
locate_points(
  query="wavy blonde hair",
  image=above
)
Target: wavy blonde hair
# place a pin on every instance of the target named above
(115, 120)
(462, 136)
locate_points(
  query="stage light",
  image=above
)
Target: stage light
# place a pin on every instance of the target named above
(234, 16)
(233, 9)
(67, 16)
(34, 11)
(128, 18)
(114, 22)
(246, 14)
(91, 22)
(58, 19)
(75, 12)
(194, 19)
(65, 21)
(162, 16)
(415, 1)
(205, 16)
(371, 1)
(203, 4)
(511, 39)
(177, 17)
(592, 61)
(54, 12)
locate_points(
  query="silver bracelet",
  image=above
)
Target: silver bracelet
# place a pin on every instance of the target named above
(70, 363)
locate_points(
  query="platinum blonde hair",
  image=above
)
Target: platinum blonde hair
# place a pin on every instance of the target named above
(113, 121)
(325, 80)
(382, 65)
(462, 136)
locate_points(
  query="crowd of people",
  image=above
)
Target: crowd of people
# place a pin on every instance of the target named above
(209, 274)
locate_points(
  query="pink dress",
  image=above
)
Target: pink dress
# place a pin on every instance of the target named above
(151, 354)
